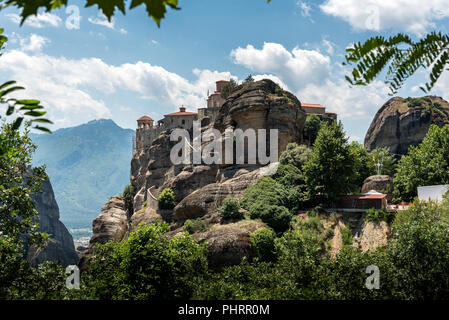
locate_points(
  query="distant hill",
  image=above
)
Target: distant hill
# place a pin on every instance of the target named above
(87, 165)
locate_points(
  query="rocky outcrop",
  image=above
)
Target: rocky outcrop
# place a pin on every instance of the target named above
(374, 235)
(258, 105)
(228, 244)
(60, 247)
(379, 183)
(208, 199)
(200, 189)
(111, 224)
(401, 123)
(263, 105)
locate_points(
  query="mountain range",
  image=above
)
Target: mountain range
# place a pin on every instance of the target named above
(87, 164)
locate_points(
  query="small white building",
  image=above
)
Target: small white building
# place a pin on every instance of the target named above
(434, 193)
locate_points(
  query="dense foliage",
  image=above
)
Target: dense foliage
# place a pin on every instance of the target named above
(363, 164)
(229, 209)
(195, 225)
(228, 88)
(425, 164)
(329, 171)
(311, 128)
(295, 155)
(412, 266)
(166, 199)
(146, 265)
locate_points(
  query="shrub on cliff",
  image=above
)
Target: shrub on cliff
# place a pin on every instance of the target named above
(295, 155)
(229, 210)
(195, 225)
(262, 241)
(276, 217)
(166, 199)
(128, 197)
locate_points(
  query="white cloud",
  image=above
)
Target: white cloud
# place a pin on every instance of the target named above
(329, 46)
(71, 88)
(34, 43)
(347, 102)
(305, 8)
(41, 20)
(415, 16)
(308, 74)
(102, 20)
(296, 68)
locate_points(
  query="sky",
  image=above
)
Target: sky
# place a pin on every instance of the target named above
(83, 67)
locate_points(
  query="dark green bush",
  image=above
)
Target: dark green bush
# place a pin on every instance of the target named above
(376, 216)
(276, 217)
(146, 265)
(128, 197)
(166, 199)
(229, 209)
(195, 225)
(262, 241)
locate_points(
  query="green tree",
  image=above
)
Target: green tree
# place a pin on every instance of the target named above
(228, 88)
(425, 164)
(363, 164)
(19, 221)
(166, 199)
(128, 197)
(262, 241)
(329, 172)
(295, 154)
(276, 217)
(146, 265)
(312, 127)
(18, 181)
(249, 79)
(400, 56)
(229, 209)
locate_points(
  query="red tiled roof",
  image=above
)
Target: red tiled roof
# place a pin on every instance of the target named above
(363, 196)
(143, 118)
(179, 113)
(311, 105)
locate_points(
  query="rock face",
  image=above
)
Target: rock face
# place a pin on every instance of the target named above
(200, 189)
(228, 244)
(60, 247)
(374, 235)
(111, 224)
(208, 199)
(263, 105)
(401, 123)
(380, 183)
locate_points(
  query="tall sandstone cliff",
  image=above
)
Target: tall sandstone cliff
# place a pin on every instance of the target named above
(60, 247)
(200, 189)
(401, 123)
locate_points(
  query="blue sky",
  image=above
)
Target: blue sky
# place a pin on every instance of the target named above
(130, 67)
